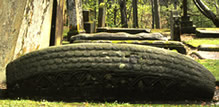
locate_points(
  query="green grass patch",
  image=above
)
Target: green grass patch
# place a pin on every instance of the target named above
(197, 42)
(65, 42)
(212, 66)
(29, 103)
(65, 31)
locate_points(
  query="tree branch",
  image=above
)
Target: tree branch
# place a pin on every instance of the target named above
(200, 9)
(207, 12)
(204, 9)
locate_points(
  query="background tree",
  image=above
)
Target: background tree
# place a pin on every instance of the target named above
(157, 13)
(207, 12)
(145, 12)
(123, 13)
(135, 13)
(102, 14)
(152, 12)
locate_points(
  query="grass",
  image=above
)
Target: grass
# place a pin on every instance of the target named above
(28, 103)
(212, 66)
(65, 42)
(65, 31)
(197, 42)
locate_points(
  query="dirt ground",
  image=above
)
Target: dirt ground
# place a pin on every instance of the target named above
(186, 37)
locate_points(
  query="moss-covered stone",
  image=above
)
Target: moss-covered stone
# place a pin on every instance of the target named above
(208, 48)
(172, 45)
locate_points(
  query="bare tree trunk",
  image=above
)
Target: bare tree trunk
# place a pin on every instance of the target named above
(102, 14)
(207, 12)
(157, 13)
(152, 12)
(135, 13)
(115, 15)
(95, 10)
(123, 9)
(217, 7)
(115, 12)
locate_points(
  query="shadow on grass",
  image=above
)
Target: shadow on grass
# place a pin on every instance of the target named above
(5, 95)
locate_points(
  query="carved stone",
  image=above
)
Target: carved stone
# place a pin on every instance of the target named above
(175, 25)
(186, 25)
(118, 36)
(127, 30)
(109, 72)
(86, 15)
(207, 34)
(89, 26)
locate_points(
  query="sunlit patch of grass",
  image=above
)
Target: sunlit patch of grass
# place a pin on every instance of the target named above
(65, 42)
(65, 31)
(212, 66)
(29, 103)
(200, 41)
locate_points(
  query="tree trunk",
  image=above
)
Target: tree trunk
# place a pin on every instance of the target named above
(152, 12)
(123, 9)
(115, 12)
(110, 3)
(115, 15)
(175, 5)
(102, 14)
(135, 13)
(95, 10)
(157, 13)
(207, 12)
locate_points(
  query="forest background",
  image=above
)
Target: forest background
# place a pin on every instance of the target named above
(146, 12)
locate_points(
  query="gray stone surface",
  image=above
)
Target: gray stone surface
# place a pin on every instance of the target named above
(25, 27)
(186, 24)
(35, 29)
(209, 47)
(207, 34)
(127, 30)
(118, 36)
(90, 27)
(175, 26)
(208, 55)
(171, 45)
(11, 16)
(86, 15)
